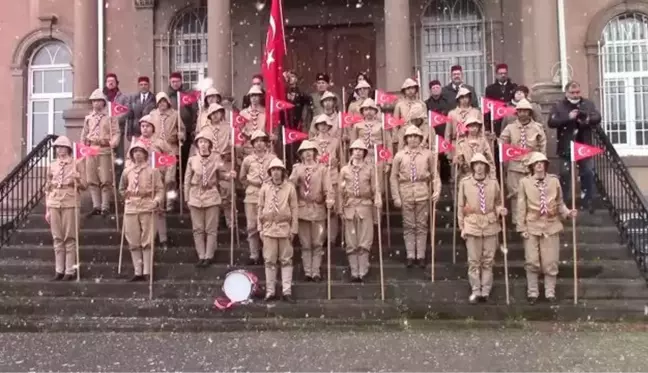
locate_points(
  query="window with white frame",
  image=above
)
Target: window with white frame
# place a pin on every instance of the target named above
(624, 92)
(50, 91)
(189, 45)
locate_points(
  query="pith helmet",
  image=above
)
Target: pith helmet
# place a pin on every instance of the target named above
(418, 112)
(536, 157)
(358, 144)
(204, 134)
(474, 119)
(63, 141)
(368, 103)
(276, 163)
(138, 145)
(306, 145)
(362, 84)
(409, 83)
(258, 134)
(97, 94)
(214, 108)
(147, 119)
(413, 131)
(524, 104)
(162, 96)
(322, 118)
(211, 91)
(255, 90)
(479, 158)
(463, 91)
(328, 95)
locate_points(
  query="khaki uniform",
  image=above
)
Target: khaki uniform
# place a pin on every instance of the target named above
(531, 136)
(412, 172)
(359, 195)
(404, 109)
(459, 115)
(466, 147)
(254, 172)
(101, 131)
(540, 207)
(278, 219)
(62, 202)
(331, 146)
(201, 183)
(143, 185)
(354, 107)
(256, 122)
(479, 224)
(536, 114)
(372, 133)
(314, 189)
(425, 129)
(227, 191)
(168, 129)
(333, 120)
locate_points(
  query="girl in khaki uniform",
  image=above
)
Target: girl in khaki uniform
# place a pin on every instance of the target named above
(540, 207)
(61, 209)
(473, 142)
(256, 119)
(279, 221)
(408, 108)
(362, 90)
(360, 196)
(460, 114)
(410, 186)
(101, 131)
(329, 104)
(254, 173)
(141, 186)
(479, 207)
(315, 196)
(212, 96)
(418, 120)
(203, 197)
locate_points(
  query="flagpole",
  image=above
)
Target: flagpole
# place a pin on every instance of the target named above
(153, 233)
(112, 166)
(380, 253)
(121, 249)
(435, 161)
(573, 220)
(233, 218)
(76, 217)
(283, 142)
(179, 183)
(454, 216)
(385, 187)
(328, 241)
(504, 247)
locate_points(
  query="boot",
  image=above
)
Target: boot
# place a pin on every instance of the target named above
(57, 277)
(136, 278)
(421, 243)
(68, 278)
(94, 212)
(409, 263)
(289, 298)
(363, 261)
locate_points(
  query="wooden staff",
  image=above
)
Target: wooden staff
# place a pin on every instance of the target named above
(328, 251)
(435, 161)
(454, 216)
(385, 187)
(418, 80)
(504, 247)
(112, 166)
(380, 253)
(76, 228)
(573, 221)
(179, 184)
(232, 192)
(152, 239)
(121, 249)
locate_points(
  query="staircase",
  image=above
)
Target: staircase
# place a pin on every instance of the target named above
(611, 270)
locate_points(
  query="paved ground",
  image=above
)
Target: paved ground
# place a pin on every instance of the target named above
(429, 350)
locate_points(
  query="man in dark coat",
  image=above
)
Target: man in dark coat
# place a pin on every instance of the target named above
(450, 91)
(141, 104)
(439, 104)
(502, 90)
(188, 115)
(115, 96)
(574, 118)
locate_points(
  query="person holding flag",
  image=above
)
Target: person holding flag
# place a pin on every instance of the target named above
(372, 132)
(329, 102)
(408, 108)
(479, 206)
(210, 96)
(459, 114)
(418, 118)
(527, 134)
(360, 196)
(253, 174)
(414, 167)
(473, 142)
(520, 93)
(100, 130)
(315, 196)
(540, 207)
(143, 192)
(361, 90)
(255, 117)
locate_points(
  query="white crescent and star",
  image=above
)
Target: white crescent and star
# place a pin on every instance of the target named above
(383, 153)
(292, 136)
(509, 152)
(582, 151)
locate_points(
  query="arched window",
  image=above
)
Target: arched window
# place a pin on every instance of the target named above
(49, 91)
(189, 44)
(452, 33)
(624, 66)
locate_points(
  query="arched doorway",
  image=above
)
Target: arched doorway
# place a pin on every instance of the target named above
(188, 47)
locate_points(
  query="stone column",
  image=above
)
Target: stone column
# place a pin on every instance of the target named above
(398, 50)
(219, 49)
(84, 64)
(144, 40)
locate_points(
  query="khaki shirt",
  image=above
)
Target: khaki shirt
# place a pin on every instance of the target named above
(225, 182)
(59, 190)
(144, 185)
(169, 129)
(403, 109)
(333, 120)
(529, 218)
(411, 174)
(331, 146)
(256, 122)
(536, 140)
(358, 189)
(467, 147)
(458, 115)
(221, 137)
(472, 220)
(372, 133)
(278, 210)
(99, 129)
(154, 144)
(254, 172)
(314, 189)
(354, 107)
(202, 180)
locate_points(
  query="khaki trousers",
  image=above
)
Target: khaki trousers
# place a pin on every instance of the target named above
(204, 221)
(358, 233)
(252, 230)
(278, 249)
(416, 220)
(311, 239)
(64, 236)
(541, 255)
(138, 229)
(99, 171)
(161, 227)
(512, 184)
(226, 203)
(481, 257)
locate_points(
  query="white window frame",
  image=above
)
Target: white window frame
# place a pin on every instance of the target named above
(178, 36)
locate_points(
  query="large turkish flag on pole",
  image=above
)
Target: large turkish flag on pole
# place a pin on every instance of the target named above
(273, 59)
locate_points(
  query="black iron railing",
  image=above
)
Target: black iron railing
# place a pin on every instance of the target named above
(24, 188)
(625, 201)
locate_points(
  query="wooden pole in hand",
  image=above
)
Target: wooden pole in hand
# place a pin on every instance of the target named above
(435, 154)
(454, 216)
(573, 221)
(232, 193)
(76, 228)
(152, 238)
(380, 251)
(328, 251)
(180, 175)
(504, 247)
(112, 165)
(121, 249)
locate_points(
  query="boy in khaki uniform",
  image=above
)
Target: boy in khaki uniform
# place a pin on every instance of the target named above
(101, 131)
(254, 173)
(460, 114)
(61, 209)
(362, 91)
(329, 105)
(141, 186)
(524, 133)
(201, 181)
(479, 206)
(410, 187)
(256, 120)
(315, 196)
(408, 108)
(279, 221)
(418, 120)
(540, 207)
(360, 197)
(212, 96)
(473, 142)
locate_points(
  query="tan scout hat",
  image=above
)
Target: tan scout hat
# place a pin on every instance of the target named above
(258, 134)
(368, 103)
(211, 91)
(322, 118)
(138, 145)
(306, 145)
(162, 96)
(362, 84)
(97, 94)
(255, 90)
(276, 163)
(147, 119)
(214, 108)
(358, 144)
(463, 91)
(536, 157)
(479, 157)
(418, 112)
(63, 141)
(204, 134)
(409, 83)
(413, 131)
(474, 119)
(328, 95)
(524, 104)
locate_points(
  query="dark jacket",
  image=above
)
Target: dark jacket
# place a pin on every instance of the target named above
(450, 93)
(137, 110)
(297, 114)
(441, 106)
(188, 114)
(568, 130)
(502, 92)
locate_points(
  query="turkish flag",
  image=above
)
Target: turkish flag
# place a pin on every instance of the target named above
(488, 104)
(161, 160)
(443, 145)
(238, 120)
(503, 111)
(238, 136)
(461, 128)
(509, 152)
(117, 109)
(390, 121)
(383, 98)
(349, 119)
(580, 151)
(437, 119)
(188, 98)
(382, 153)
(81, 151)
(324, 158)
(290, 136)
(272, 64)
(281, 105)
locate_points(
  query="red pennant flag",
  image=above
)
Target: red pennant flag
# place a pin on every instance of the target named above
(349, 119)
(238, 120)
(443, 145)
(281, 105)
(383, 153)
(383, 98)
(239, 136)
(488, 104)
(324, 158)
(188, 98)
(509, 152)
(581, 151)
(160, 160)
(437, 119)
(81, 151)
(503, 111)
(462, 128)
(291, 136)
(390, 121)
(117, 109)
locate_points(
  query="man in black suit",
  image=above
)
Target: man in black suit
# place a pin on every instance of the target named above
(450, 91)
(439, 104)
(141, 104)
(503, 90)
